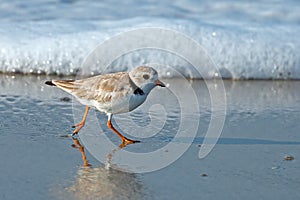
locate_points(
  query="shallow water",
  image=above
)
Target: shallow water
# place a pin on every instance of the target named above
(248, 161)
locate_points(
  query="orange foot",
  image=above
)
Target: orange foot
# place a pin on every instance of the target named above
(127, 141)
(79, 126)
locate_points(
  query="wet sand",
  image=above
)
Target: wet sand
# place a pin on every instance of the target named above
(248, 162)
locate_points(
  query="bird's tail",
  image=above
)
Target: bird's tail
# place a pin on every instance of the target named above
(50, 83)
(67, 85)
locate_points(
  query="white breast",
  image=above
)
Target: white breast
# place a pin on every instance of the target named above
(119, 105)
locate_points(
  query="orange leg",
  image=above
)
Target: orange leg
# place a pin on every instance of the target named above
(125, 141)
(81, 124)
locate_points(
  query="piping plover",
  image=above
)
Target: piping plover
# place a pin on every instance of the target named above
(111, 93)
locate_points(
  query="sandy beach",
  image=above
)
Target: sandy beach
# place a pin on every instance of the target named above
(256, 157)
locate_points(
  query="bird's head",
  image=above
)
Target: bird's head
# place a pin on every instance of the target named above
(145, 78)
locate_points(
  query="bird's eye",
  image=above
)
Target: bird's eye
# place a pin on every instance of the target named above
(146, 76)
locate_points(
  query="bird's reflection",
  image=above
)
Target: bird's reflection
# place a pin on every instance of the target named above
(76, 144)
(103, 182)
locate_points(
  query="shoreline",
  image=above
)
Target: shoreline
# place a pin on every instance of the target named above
(58, 76)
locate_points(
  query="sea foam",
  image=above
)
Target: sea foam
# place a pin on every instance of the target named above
(244, 41)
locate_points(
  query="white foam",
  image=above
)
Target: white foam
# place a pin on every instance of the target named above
(262, 45)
